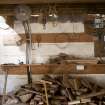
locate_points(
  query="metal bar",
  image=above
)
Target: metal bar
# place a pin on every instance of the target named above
(5, 87)
(28, 49)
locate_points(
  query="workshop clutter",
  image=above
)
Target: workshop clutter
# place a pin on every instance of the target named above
(58, 90)
(64, 58)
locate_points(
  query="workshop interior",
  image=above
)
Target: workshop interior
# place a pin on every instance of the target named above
(52, 52)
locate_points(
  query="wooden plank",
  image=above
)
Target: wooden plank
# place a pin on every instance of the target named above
(59, 37)
(88, 23)
(48, 1)
(10, 21)
(62, 8)
(99, 49)
(57, 69)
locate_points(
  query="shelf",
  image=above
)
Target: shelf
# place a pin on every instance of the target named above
(54, 69)
(59, 37)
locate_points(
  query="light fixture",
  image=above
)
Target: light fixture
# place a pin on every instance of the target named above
(53, 15)
(36, 15)
(50, 15)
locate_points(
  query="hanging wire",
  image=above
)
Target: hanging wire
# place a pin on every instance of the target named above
(43, 17)
(53, 13)
(58, 44)
(72, 21)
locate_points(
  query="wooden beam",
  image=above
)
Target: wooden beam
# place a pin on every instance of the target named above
(10, 21)
(48, 1)
(99, 48)
(89, 24)
(59, 37)
(62, 8)
(56, 69)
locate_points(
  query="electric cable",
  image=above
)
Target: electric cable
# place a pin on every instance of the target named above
(57, 44)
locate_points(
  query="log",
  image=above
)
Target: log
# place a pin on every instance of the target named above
(79, 101)
(100, 93)
(25, 98)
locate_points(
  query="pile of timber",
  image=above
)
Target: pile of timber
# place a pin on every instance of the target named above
(58, 90)
(65, 58)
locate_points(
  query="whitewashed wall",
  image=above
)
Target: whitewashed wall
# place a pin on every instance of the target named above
(12, 54)
(66, 27)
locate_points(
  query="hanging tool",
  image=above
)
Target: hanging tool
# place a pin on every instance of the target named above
(53, 14)
(43, 17)
(38, 39)
(23, 14)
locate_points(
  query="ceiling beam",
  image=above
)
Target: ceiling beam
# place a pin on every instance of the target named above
(65, 8)
(48, 1)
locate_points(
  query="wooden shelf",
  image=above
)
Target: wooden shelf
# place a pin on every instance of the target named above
(54, 69)
(60, 37)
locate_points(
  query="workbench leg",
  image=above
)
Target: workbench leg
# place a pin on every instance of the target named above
(5, 87)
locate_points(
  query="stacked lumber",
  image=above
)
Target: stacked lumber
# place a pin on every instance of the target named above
(58, 90)
(65, 58)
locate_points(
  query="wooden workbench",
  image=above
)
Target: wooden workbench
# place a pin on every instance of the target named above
(54, 69)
